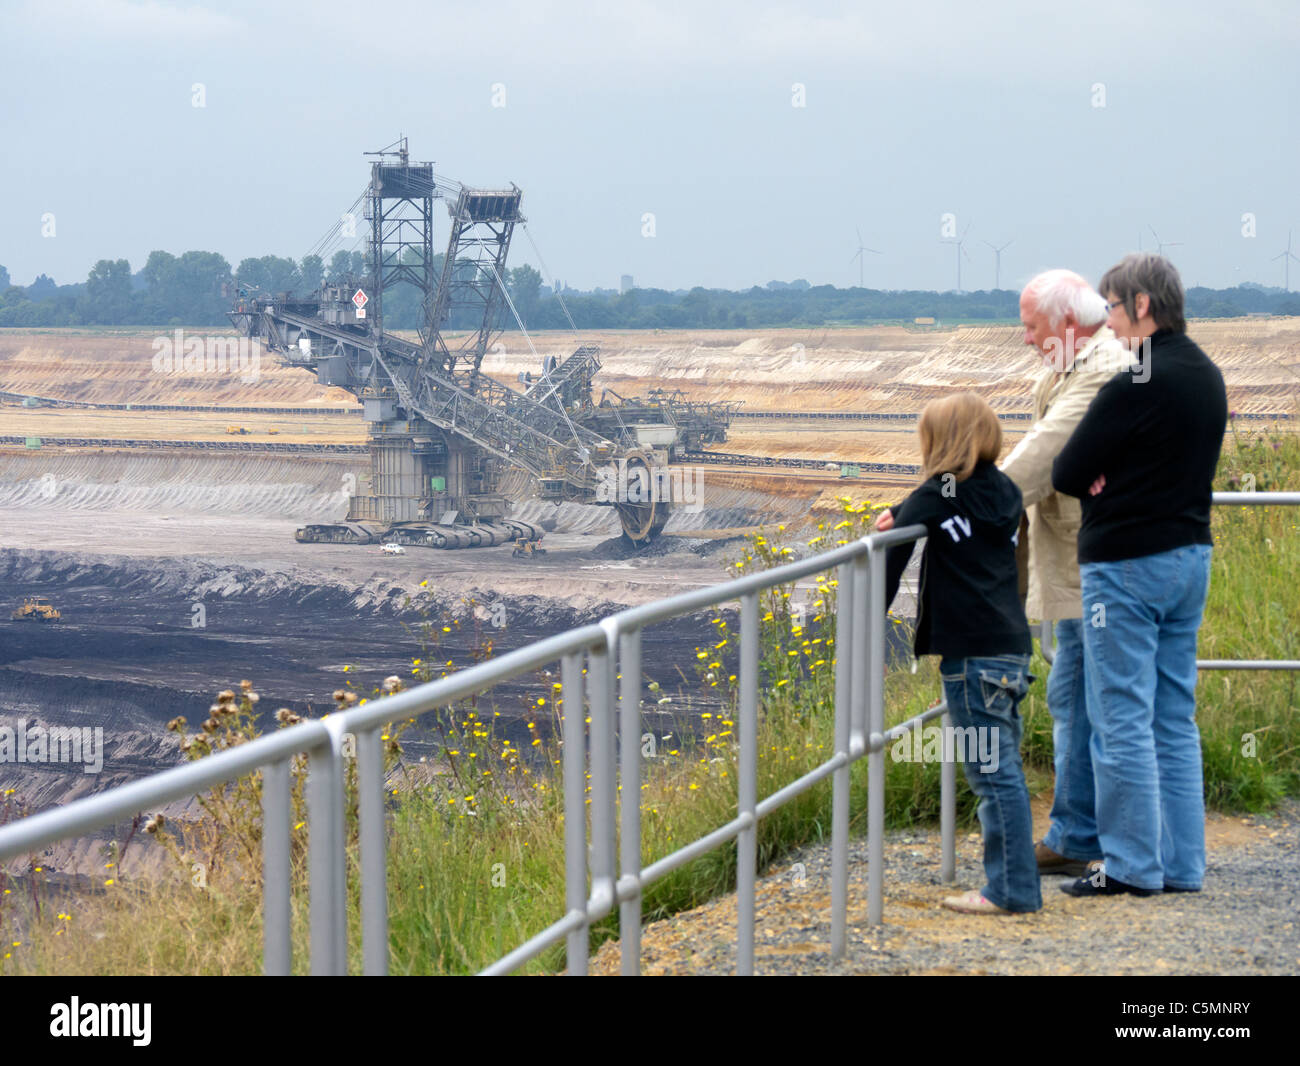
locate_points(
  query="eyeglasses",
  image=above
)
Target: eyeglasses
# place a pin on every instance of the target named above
(1112, 304)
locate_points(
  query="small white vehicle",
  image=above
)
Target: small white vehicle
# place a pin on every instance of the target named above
(393, 548)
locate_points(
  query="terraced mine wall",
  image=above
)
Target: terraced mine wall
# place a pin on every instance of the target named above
(308, 488)
(881, 368)
(297, 487)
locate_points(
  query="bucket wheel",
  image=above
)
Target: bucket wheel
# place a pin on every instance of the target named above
(643, 521)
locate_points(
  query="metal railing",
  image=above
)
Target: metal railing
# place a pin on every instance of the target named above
(859, 731)
(610, 648)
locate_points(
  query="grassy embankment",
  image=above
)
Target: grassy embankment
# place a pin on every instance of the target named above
(476, 856)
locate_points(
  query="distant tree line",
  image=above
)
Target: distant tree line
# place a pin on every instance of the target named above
(198, 288)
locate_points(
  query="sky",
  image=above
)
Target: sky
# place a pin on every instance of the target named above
(723, 144)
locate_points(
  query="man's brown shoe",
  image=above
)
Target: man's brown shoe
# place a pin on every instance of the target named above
(1049, 862)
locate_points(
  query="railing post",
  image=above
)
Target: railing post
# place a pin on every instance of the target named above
(574, 762)
(374, 853)
(948, 806)
(328, 876)
(844, 626)
(876, 740)
(747, 786)
(600, 698)
(277, 945)
(863, 626)
(1045, 644)
(629, 911)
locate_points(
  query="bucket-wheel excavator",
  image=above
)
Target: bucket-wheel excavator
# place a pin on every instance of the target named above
(440, 432)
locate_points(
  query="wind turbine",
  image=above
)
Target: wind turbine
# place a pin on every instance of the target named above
(997, 262)
(859, 257)
(1286, 258)
(1162, 245)
(958, 244)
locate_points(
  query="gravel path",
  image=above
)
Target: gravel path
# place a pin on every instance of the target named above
(1245, 921)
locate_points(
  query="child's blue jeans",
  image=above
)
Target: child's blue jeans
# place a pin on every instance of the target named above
(983, 696)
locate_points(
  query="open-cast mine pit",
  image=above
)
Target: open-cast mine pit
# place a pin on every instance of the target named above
(175, 571)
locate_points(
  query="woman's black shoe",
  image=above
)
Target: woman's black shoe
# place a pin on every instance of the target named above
(1098, 884)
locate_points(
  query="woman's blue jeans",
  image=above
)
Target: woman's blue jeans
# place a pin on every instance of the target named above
(1140, 620)
(984, 696)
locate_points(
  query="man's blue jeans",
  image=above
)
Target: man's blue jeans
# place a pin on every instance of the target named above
(1140, 619)
(984, 694)
(1073, 832)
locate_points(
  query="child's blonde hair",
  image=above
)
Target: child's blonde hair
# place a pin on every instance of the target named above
(957, 432)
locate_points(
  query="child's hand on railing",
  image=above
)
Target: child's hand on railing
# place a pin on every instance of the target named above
(884, 521)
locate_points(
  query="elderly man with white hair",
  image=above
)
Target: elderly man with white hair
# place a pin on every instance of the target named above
(1065, 319)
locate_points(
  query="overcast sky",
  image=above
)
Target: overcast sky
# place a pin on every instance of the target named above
(685, 111)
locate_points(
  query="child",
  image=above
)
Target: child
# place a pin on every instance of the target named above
(969, 612)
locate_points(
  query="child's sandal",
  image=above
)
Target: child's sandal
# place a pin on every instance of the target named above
(973, 903)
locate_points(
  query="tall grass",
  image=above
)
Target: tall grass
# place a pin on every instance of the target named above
(476, 840)
(1250, 720)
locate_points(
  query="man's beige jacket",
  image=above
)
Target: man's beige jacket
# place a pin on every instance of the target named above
(1060, 400)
